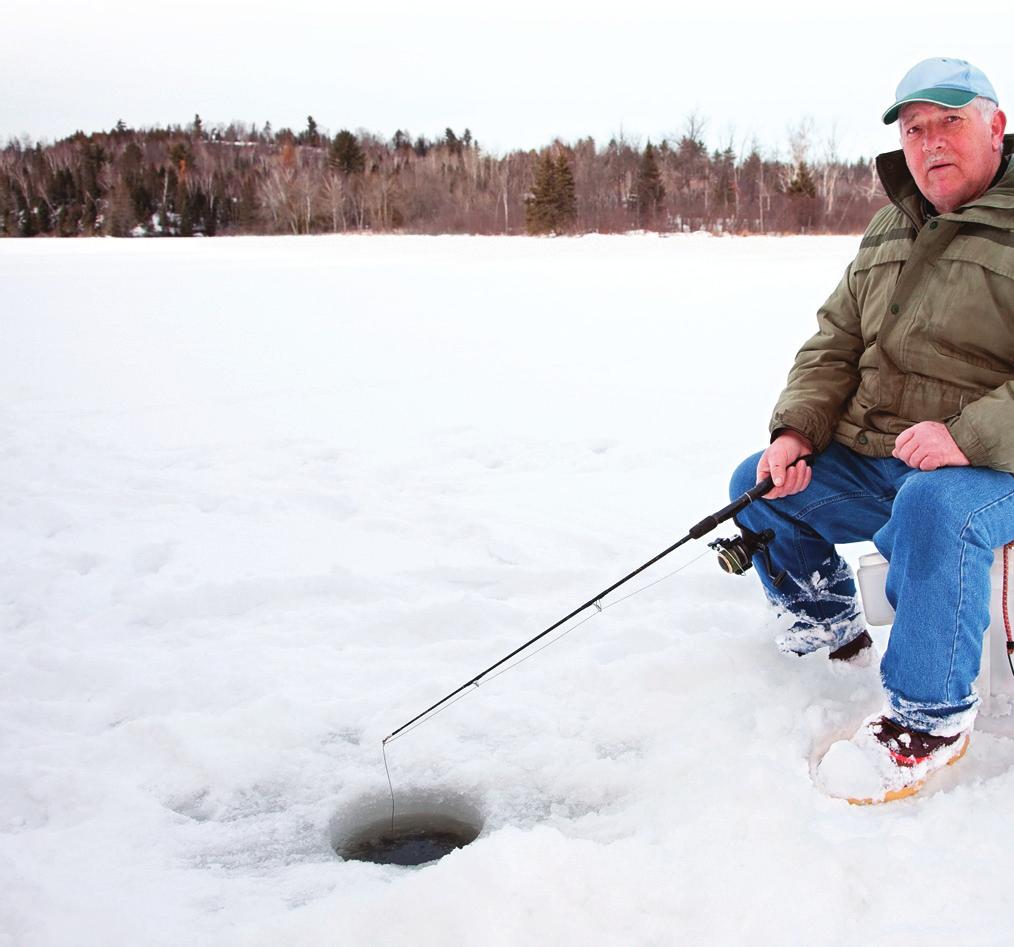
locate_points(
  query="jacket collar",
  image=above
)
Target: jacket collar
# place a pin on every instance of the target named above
(992, 208)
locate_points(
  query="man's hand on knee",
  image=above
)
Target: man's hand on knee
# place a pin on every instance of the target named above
(927, 446)
(774, 463)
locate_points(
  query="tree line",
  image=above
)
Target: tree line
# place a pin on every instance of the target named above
(239, 179)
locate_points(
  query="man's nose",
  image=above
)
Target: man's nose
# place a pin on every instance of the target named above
(932, 140)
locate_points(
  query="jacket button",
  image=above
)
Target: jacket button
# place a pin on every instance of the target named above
(862, 439)
(894, 309)
(934, 224)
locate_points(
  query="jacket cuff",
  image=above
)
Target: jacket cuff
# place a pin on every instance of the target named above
(808, 423)
(968, 440)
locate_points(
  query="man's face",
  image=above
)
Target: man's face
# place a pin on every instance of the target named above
(952, 153)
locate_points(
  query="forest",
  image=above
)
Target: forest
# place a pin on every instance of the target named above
(189, 180)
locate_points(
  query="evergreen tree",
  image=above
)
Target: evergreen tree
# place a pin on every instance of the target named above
(311, 136)
(551, 207)
(802, 192)
(64, 195)
(132, 172)
(42, 215)
(345, 154)
(181, 156)
(29, 226)
(802, 183)
(92, 158)
(118, 217)
(185, 210)
(131, 160)
(566, 204)
(649, 191)
(724, 182)
(538, 203)
(6, 205)
(246, 214)
(452, 143)
(28, 221)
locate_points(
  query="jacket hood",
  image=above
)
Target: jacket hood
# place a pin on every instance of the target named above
(992, 208)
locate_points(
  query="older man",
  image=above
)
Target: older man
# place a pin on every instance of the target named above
(905, 398)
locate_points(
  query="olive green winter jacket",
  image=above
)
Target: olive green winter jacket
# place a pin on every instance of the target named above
(921, 328)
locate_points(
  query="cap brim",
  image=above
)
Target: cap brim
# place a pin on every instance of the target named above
(948, 98)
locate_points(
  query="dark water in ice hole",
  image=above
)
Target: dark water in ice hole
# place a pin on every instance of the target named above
(417, 839)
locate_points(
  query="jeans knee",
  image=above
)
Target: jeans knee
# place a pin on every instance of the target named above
(744, 477)
(926, 501)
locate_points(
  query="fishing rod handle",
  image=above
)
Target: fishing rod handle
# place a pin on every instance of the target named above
(709, 523)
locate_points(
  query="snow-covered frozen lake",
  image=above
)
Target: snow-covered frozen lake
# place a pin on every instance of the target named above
(262, 500)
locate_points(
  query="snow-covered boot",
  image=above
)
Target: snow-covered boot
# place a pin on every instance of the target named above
(805, 636)
(859, 652)
(885, 761)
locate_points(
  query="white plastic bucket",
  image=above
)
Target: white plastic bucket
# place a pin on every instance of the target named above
(995, 677)
(872, 577)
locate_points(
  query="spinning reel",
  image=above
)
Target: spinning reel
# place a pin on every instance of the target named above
(735, 555)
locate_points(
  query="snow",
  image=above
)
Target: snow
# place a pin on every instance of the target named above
(846, 772)
(264, 500)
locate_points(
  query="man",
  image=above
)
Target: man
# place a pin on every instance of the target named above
(905, 400)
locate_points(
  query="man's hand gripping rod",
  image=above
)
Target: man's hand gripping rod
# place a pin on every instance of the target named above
(700, 529)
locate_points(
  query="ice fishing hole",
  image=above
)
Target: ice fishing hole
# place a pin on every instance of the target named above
(427, 826)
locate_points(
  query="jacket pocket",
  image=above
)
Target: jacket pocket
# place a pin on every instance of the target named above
(929, 399)
(971, 322)
(988, 247)
(975, 358)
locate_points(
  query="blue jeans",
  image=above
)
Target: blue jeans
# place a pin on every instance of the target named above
(937, 529)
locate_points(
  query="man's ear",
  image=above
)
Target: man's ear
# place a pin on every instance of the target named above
(997, 127)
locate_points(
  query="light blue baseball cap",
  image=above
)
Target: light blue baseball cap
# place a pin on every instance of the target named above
(952, 83)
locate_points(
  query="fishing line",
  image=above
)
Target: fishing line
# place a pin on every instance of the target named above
(563, 634)
(600, 609)
(390, 785)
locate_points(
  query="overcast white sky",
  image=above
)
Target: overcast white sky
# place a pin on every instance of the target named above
(517, 74)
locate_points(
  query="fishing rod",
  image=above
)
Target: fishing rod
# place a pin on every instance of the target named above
(734, 556)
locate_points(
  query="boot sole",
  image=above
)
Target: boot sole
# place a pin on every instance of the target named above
(895, 794)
